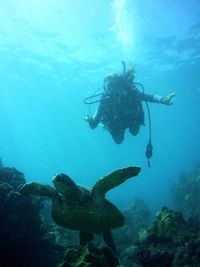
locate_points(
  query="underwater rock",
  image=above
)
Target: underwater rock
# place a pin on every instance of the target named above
(89, 256)
(137, 221)
(128, 256)
(1, 164)
(137, 216)
(188, 254)
(186, 193)
(23, 236)
(12, 177)
(155, 257)
(168, 241)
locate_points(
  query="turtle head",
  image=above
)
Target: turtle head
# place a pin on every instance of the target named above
(64, 184)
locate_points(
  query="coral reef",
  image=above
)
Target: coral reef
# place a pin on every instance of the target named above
(167, 224)
(170, 241)
(186, 193)
(28, 236)
(188, 254)
(24, 239)
(89, 256)
(158, 246)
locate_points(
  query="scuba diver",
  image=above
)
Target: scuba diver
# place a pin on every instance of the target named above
(120, 106)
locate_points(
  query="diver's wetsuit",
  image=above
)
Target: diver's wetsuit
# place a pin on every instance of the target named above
(121, 112)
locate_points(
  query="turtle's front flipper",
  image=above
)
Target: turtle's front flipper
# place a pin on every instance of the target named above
(37, 189)
(112, 180)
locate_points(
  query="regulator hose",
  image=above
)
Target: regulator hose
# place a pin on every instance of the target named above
(149, 147)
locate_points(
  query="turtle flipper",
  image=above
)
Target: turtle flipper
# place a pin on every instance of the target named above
(112, 180)
(37, 189)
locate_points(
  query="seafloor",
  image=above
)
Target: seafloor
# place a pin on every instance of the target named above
(28, 236)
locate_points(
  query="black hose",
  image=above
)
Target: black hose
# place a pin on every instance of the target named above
(149, 147)
(88, 100)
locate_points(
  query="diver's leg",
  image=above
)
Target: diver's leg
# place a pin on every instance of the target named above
(85, 237)
(118, 136)
(107, 236)
(134, 129)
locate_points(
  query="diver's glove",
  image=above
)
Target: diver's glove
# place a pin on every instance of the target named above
(167, 99)
(91, 121)
(88, 119)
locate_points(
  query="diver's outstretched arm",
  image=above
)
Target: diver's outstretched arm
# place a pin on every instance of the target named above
(166, 100)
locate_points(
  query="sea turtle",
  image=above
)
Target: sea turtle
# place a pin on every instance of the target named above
(78, 208)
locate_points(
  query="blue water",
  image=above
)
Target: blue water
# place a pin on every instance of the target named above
(53, 54)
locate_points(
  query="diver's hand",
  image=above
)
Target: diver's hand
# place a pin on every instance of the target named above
(167, 99)
(88, 118)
